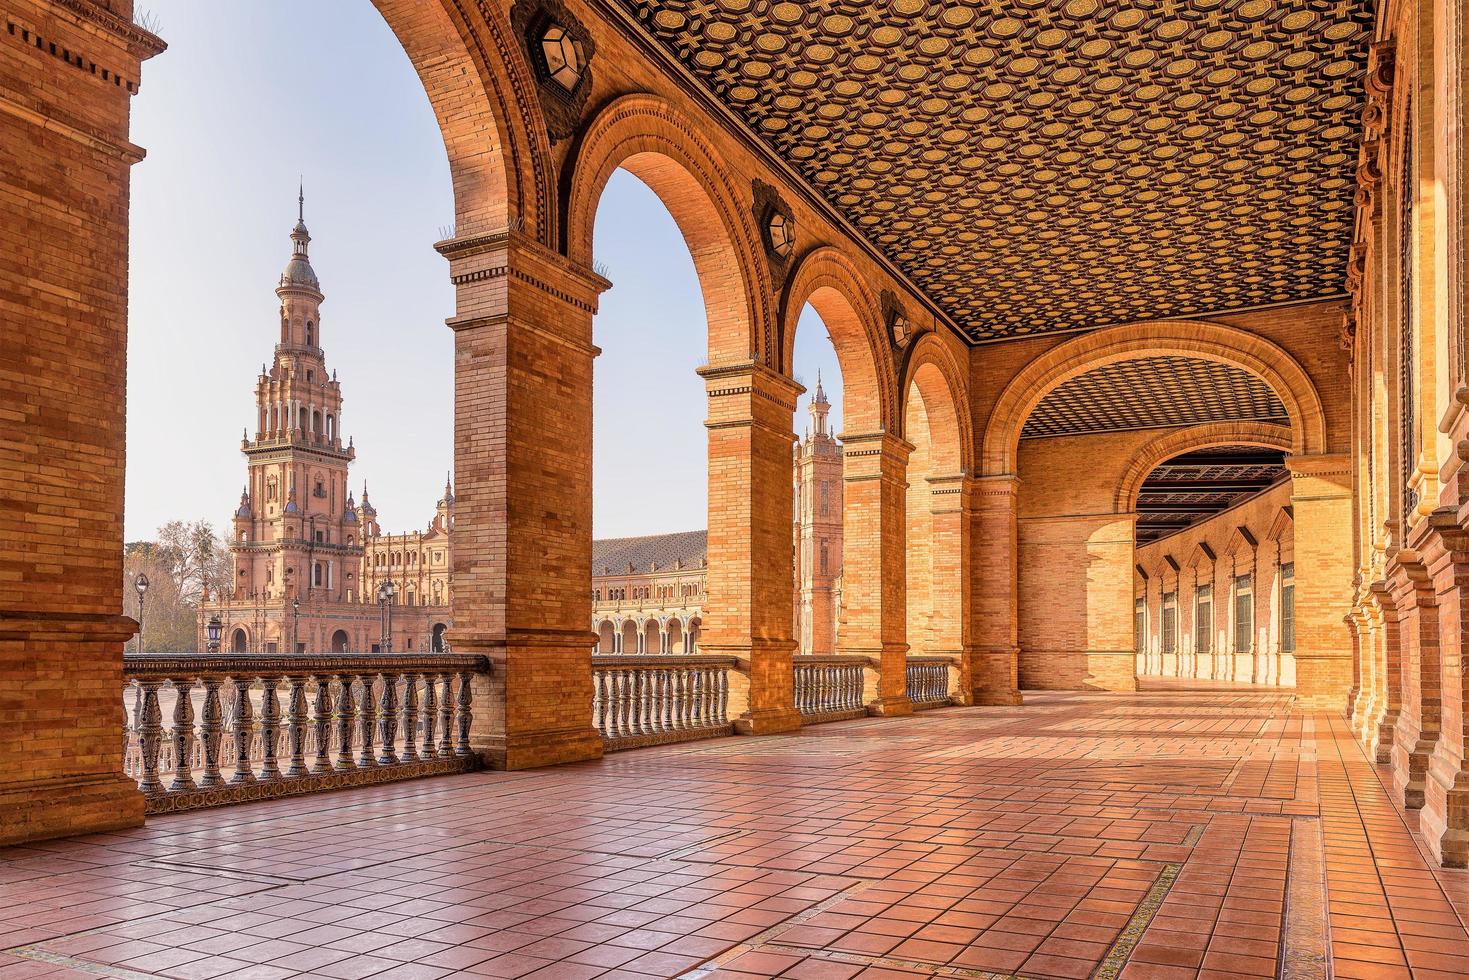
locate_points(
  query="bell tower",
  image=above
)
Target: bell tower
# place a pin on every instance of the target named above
(818, 529)
(296, 530)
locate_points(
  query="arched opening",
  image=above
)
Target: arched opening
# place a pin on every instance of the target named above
(695, 630)
(606, 638)
(658, 223)
(436, 638)
(818, 489)
(1117, 569)
(240, 643)
(675, 630)
(629, 636)
(340, 641)
(935, 424)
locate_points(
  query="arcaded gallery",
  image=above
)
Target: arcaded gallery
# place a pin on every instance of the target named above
(1154, 598)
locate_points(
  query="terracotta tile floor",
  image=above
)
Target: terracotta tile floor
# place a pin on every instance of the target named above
(1167, 834)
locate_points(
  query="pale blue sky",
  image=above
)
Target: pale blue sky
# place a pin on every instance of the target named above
(248, 97)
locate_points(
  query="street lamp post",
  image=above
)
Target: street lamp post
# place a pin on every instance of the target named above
(211, 633)
(141, 584)
(385, 594)
(295, 624)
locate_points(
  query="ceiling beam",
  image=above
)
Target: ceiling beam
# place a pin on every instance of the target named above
(1206, 458)
(1206, 486)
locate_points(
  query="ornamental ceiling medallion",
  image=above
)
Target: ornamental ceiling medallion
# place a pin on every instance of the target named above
(1050, 165)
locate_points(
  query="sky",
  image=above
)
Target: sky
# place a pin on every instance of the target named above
(248, 100)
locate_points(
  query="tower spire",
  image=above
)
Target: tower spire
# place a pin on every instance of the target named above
(301, 199)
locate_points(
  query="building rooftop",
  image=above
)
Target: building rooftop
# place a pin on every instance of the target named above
(612, 556)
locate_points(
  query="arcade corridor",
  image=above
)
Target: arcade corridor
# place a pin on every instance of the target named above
(1160, 834)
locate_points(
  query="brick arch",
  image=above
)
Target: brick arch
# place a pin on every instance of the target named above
(829, 281)
(932, 371)
(1195, 437)
(1188, 338)
(664, 149)
(483, 95)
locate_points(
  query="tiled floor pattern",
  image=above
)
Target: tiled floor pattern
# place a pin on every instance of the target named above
(1167, 834)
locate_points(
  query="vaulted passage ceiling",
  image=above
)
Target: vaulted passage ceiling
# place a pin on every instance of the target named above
(1153, 392)
(1053, 165)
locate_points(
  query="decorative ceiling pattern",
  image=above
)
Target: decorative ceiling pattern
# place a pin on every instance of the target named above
(1196, 486)
(1049, 165)
(1153, 392)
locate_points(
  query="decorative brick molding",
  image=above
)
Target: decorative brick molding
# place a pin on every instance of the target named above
(1198, 339)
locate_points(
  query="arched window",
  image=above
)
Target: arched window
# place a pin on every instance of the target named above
(825, 569)
(310, 336)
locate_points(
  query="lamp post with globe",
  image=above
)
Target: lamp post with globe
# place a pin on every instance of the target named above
(141, 584)
(385, 594)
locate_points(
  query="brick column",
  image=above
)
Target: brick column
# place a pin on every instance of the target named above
(523, 504)
(747, 613)
(63, 273)
(1321, 505)
(1381, 724)
(874, 556)
(951, 507)
(1445, 818)
(994, 658)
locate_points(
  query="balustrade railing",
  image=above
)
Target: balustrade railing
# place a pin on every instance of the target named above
(251, 726)
(652, 700)
(928, 681)
(829, 688)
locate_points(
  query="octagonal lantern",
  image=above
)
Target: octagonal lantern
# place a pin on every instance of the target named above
(565, 57)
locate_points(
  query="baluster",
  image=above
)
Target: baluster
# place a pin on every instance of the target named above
(270, 723)
(366, 707)
(429, 749)
(410, 717)
(703, 696)
(634, 686)
(296, 725)
(344, 714)
(211, 732)
(665, 700)
(150, 736)
(623, 695)
(446, 715)
(387, 721)
(597, 703)
(240, 727)
(798, 685)
(681, 720)
(462, 716)
(722, 678)
(183, 737)
(321, 719)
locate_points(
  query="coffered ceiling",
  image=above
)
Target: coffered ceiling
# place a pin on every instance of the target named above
(1053, 165)
(1195, 486)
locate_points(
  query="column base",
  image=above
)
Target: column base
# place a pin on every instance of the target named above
(1444, 820)
(891, 707)
(995, 697)
(771, 721)
(535, 749)
(68, 807)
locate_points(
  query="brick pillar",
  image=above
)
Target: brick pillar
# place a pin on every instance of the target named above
(1417, 628)
(63, 272)
(523, 504)
(747, 613)
(951, 507)
(1445, 818)
(1382, 722)
(994, 657)
(1321, 505)
(874, 603)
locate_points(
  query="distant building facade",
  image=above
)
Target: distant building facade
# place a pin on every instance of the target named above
(307, 560)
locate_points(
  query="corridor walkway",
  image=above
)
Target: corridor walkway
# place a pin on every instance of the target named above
(1166, 834)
